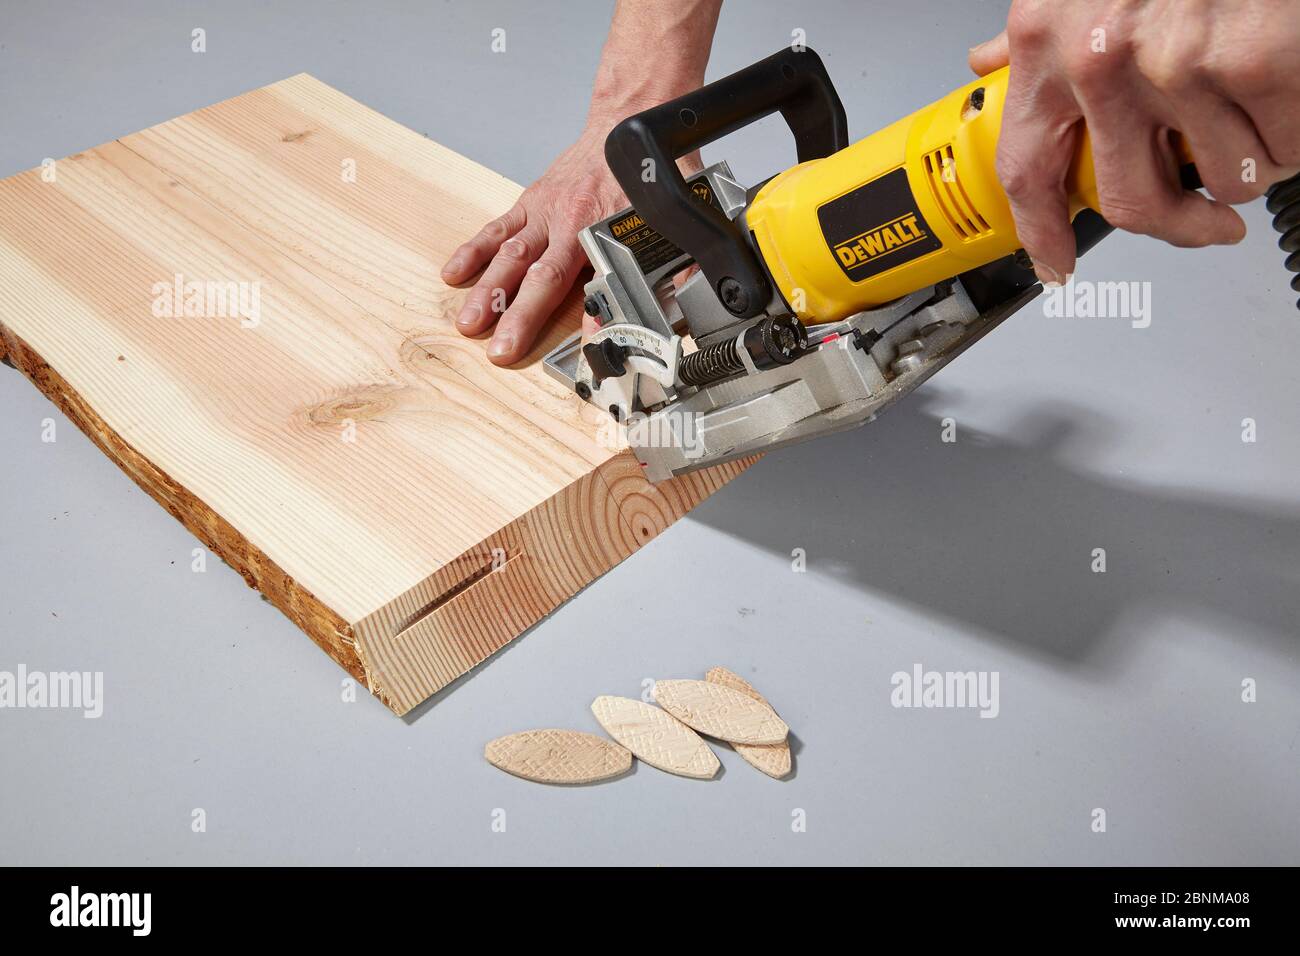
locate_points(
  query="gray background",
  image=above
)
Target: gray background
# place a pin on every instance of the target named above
(1119, 691)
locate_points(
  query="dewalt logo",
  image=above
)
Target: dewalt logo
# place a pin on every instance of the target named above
(652, 250)
(874, 243)
(627, 224)
(876, 227)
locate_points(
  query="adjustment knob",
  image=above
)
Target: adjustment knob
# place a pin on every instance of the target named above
(606, 359)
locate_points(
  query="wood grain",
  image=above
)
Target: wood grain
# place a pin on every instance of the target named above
(656, 737)
(772, 759)
(718, 711)
(558, 756)
(409, 505)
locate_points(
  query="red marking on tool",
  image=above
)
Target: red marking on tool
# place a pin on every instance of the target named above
(830, 338)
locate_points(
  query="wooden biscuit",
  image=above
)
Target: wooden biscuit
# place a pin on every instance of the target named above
(558, 756)
(771, 759)
(656, 737)
(721, 711)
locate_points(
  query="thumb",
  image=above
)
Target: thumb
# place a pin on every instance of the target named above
(990, 55)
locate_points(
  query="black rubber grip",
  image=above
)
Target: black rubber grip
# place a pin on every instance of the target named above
(642, 150)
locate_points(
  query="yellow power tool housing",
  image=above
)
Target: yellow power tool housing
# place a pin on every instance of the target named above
(850, 227)
(906, 207)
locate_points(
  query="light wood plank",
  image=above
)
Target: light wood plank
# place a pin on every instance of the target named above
(408, 504)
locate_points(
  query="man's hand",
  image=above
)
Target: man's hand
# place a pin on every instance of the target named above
(1223, 73)
(655, 52)
(532, 252)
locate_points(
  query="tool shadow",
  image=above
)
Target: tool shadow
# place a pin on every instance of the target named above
(998, 534)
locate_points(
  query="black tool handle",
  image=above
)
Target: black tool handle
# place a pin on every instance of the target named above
(793, 82)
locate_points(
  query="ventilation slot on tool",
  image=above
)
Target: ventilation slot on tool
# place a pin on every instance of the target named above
(946, 187)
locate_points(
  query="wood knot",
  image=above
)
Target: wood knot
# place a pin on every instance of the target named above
(418, 347)
(359, 406)
(644, 527)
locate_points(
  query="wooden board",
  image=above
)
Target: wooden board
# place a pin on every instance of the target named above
(410, 506)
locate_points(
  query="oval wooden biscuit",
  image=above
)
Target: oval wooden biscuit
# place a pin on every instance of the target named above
(558, 756)
(720, 711)
(772, 759)
(656, 737)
